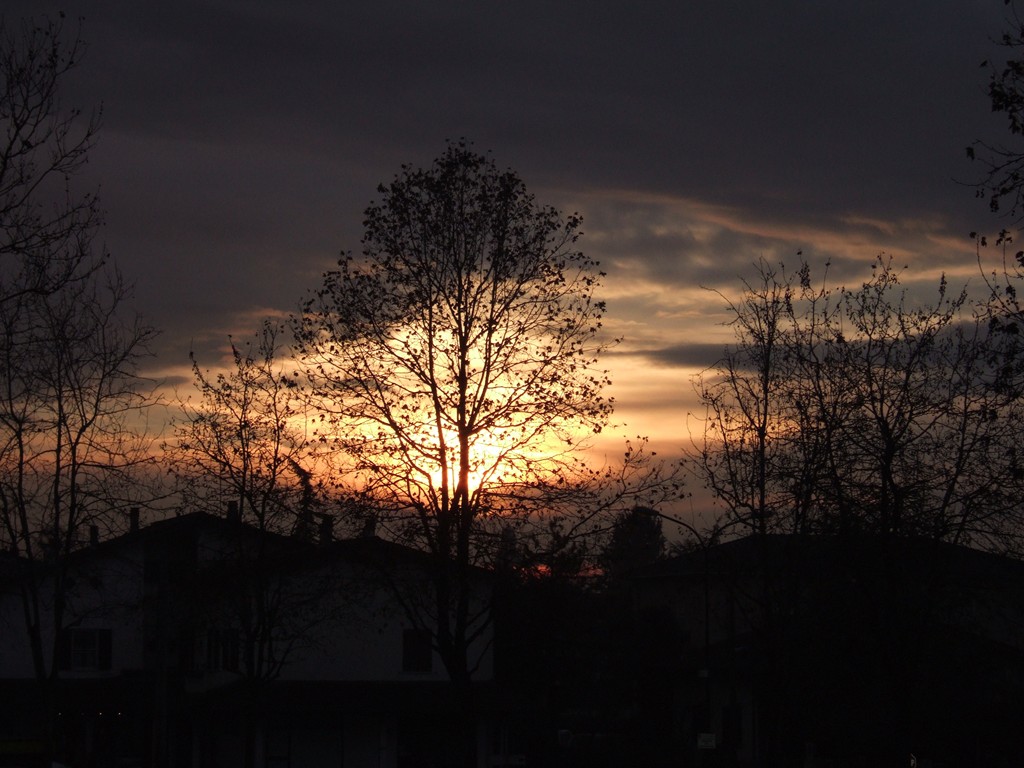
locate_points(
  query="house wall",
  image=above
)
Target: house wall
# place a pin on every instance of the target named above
(15, 654)
(104, 592)
(143, 589)
(362, 637)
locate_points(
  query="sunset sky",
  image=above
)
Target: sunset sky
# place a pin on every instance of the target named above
(242, 140)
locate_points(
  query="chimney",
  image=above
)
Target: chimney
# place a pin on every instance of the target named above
(326, 529)
(133, 520)
(94, 535)
(233, 515)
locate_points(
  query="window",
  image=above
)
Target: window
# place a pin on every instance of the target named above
(417, 651)
(218, 650)
(84, 649)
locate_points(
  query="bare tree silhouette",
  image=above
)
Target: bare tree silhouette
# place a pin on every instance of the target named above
(456, 360)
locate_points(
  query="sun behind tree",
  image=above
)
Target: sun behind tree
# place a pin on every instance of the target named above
(457, 358)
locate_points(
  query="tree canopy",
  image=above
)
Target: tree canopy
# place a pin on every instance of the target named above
(457, 361)
(1003, 162)
(863, 409)
(243, 439)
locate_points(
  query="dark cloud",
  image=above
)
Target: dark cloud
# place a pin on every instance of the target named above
(242, 139)
(690, 356)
